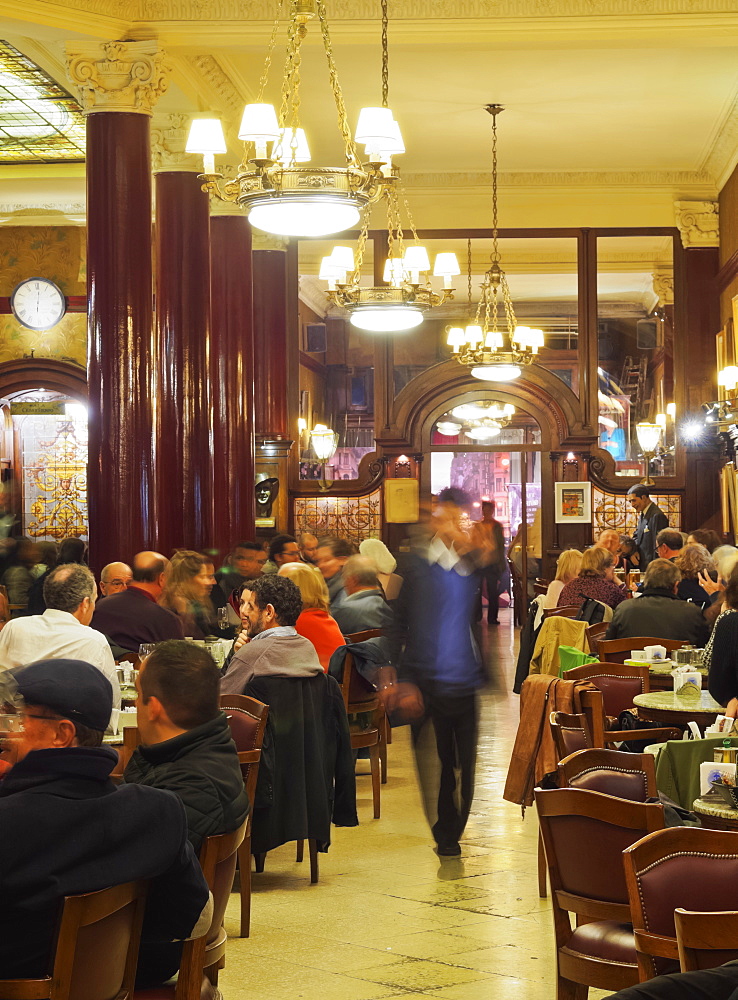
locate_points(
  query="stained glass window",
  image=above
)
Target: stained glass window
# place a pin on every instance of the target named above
(39, 121)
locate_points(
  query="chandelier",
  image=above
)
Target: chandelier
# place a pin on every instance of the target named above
(479, 421)
(494, 353)
(279, 194)
(398, 305)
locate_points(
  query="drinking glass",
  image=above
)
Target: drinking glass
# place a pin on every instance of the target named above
(146, 648)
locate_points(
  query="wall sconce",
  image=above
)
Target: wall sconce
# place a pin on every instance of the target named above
(403, 469)
(648, 439)
(324, 442)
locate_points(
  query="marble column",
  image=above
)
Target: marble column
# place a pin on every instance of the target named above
(117, 84)
(184, 446)
(232, 377)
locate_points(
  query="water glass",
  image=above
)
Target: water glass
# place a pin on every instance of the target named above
(146, 648)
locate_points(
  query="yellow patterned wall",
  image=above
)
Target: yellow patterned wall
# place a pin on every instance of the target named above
(57, 253)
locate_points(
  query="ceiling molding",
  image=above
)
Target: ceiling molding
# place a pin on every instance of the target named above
(723, 156)
(661, 179)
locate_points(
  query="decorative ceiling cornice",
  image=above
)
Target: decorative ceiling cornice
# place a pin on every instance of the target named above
(723, 155)
(566, 178)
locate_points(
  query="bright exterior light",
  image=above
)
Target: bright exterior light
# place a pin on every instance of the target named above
(324, 441)
(304, 216)
(648, 436)
(671, 410)
(496, 373)
(206, 136)
(259, 122)
(660, 419)
(287, 144)
(392, 319)
(375, 126)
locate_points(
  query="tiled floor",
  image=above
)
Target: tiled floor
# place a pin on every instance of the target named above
(388, 919)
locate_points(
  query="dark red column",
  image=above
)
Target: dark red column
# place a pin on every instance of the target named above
(270, 343)
(232, 381)
(184, 454)
(119, 287)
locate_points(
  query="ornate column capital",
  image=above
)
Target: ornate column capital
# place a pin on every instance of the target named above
(168, 141)
(663, 287)
(698, 223)
(117, 76)
(268, 241)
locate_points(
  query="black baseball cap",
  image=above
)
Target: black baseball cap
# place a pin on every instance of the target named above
(73, 689)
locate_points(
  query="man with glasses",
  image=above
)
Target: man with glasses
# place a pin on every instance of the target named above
(66, 829)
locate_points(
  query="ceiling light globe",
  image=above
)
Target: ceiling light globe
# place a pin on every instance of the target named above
(391, 319)
(303, 216)
(496, 373)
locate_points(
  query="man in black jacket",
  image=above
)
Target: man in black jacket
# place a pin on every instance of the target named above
(65, 828)
(186, 741)
(658, 612)
(651, 521)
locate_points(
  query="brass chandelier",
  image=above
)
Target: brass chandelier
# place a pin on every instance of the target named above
(279, 194)
(494, 352)
(399, 304)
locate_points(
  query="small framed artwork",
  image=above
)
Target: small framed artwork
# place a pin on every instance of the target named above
(573, 503)
(401, 501)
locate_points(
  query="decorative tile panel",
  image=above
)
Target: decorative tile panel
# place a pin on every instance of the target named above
(352, 518)
(612, 510)
(54, 452)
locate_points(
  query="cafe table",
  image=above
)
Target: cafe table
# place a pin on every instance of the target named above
(715, 813)
(660, 675)
(670, 708)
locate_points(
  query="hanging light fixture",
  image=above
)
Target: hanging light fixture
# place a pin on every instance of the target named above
(648, 435)
(494, 354)
(324, 441)
(279, 194)
(400, 304)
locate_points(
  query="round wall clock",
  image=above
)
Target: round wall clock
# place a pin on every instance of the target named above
(38, 303)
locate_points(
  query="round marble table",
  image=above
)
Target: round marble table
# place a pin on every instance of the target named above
(669, 708)
(716, 814)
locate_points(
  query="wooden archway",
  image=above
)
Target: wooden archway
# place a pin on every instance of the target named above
(24, 374)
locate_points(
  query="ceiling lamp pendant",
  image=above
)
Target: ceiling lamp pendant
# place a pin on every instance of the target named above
(400, 304)
(279, 194)
(494, 354)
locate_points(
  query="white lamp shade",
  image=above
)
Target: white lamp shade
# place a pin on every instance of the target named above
(728, 377)
(493, 340)
(521, 335)
(474, 335)
(286, 144)
(446, 264)
(394, 270)
(648, 436)
(375, 126)
(509, 409)
(343, 257)
(324, 441)
(456, 337)
(660, 419)
(535, 338)
(391, 147)
(329, 270)
(416, 259)
(671, 410)
(259, 122)
(206, 136)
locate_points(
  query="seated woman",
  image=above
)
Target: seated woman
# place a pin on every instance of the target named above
(596, 580)
(693, 560)
(721, 652)
(187, 593)
(314, 622)
(567, 568)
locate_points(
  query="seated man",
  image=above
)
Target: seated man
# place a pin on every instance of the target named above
(331, 558)
(133, 617)
(67, 829)
(669, 543)
(245, 562)
(63, 630)
(364, 606)
(658, 612)
(186, 741)
(308, 545)
(114, 577)
(270, 607)
(282, 549)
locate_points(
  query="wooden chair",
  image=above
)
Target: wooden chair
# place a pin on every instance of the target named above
(618, 650)
(619, 684)
(96, 948)
(540, 587)
(247, 719)
(706, 940)
(584, 835)
(594, 634)
(683, 866)
(520, 596)
(570, 733)
(369, 633)
(624, 775)
(567, 611)
(360, 698)
(385, 736)
(594, 712)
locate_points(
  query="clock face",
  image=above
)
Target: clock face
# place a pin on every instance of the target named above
(38, 304)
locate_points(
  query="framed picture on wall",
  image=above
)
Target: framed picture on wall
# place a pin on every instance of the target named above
(573, 503)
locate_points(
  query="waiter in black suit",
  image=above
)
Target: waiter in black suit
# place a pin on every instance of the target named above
(651, 521)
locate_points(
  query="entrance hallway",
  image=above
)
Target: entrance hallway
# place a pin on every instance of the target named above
(388, 919)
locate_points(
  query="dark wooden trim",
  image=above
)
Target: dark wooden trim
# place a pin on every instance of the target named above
(47, 373)
(727, 272)
(307, 361)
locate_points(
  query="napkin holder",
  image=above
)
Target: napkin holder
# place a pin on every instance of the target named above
(710, 771)
(686, 676)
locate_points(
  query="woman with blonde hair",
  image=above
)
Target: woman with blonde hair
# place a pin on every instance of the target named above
(596, 579)
(314, 622)
(186, 592)
(567, 567)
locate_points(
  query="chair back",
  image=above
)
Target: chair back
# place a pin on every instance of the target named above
(540, 587)
(96, 948)
(520, 595)
(369, 633)
(706, 940)
(594, 634)
(618, 650)
(619, 684)
(358, 694)
(567, 611)
(570, 733)
(623, 775)
(683, 866)
(247, 719)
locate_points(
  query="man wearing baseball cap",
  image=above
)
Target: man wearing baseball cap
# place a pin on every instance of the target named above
(65, 828)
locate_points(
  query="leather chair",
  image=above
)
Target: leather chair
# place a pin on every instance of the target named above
(360, 698)
(706, 940)
(584, 834)
(619, 684)
(96, 948)
(624, 775)
(385, 736)
(570, 733)
(369, 633)
(594, 633)
(247, 719)
(618, 650)
(683, 866)
(594, 712)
